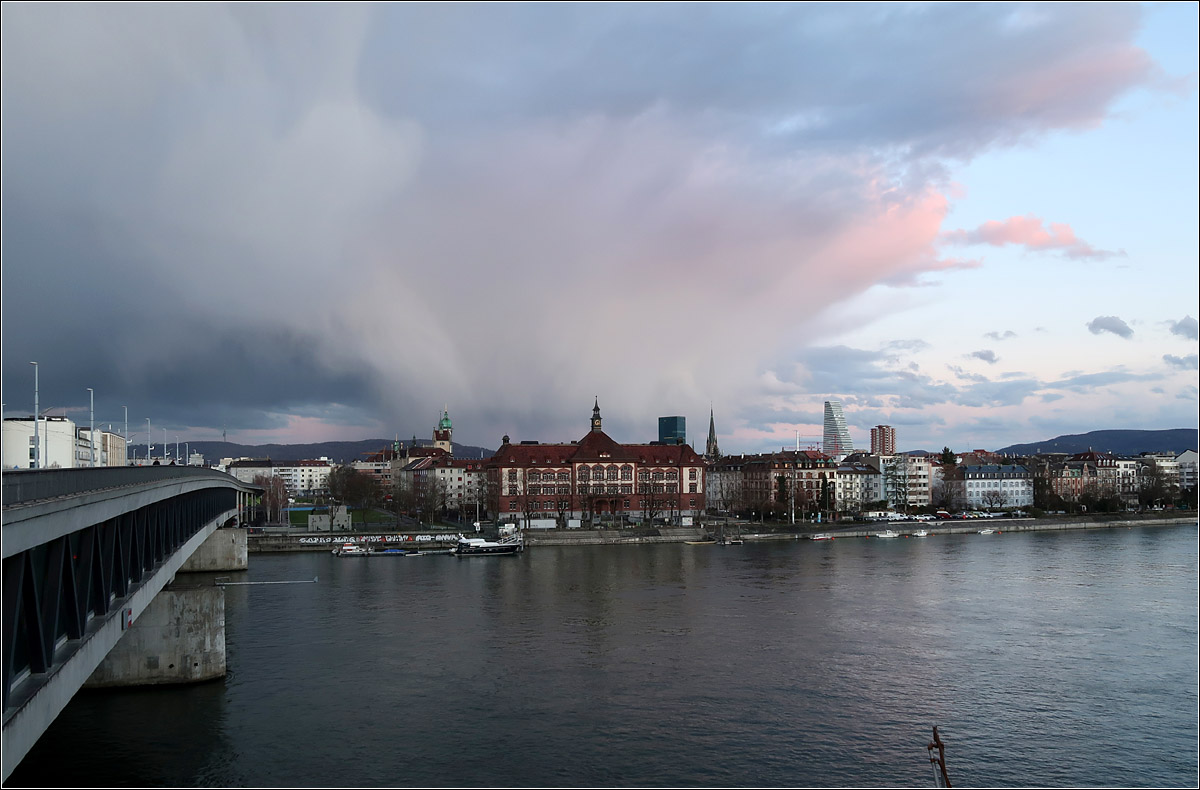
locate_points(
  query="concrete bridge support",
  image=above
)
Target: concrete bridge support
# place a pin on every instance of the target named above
(180, 637)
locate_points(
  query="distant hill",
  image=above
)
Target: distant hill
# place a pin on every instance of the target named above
(1175, 440)
(341, 452)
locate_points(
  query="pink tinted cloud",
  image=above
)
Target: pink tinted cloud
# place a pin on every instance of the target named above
(1031, 233)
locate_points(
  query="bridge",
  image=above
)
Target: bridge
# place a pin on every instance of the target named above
(86, 551)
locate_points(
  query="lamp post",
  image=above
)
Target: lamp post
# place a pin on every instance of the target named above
(177, 446)
(37, 446)
(147, 440)
(92, 430)
(187, 451)
(164, 446)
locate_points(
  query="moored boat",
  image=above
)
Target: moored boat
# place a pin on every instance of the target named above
(988, 531)
(921, 533)
(466, 547)
(887, 533)
(351, 550)
(821, 536)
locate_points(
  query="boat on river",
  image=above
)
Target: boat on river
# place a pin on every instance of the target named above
(821, 536)
(921, 533)
(351, 550)
(467, 547)
(988, 531)
(390, 552)
(887, 533)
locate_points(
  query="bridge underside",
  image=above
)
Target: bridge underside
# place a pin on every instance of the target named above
(68, 600)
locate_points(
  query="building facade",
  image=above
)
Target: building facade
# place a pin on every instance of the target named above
(836, 438)
(594, 479)
(883, 440)
(996, 486)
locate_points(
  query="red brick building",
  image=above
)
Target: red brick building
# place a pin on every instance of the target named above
(595, 479)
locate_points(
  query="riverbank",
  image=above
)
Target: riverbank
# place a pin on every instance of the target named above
(440, 540)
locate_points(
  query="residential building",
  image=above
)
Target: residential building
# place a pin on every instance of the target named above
(883, 440)
(1185, 462)
(996, 486)
(302, 478)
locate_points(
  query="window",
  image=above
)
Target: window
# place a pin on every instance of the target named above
(584, 474)
(626, 472)
(627, 489)
(534, 476)
(691, 474)
(691, 488)
(612, 473)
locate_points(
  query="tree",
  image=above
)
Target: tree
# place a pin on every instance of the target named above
(348, 486)
(274, 496)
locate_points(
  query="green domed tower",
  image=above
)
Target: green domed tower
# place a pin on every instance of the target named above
(443, 432)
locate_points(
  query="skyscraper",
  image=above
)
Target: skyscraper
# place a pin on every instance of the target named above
(883, 440)
(672, 430)
(837, 442)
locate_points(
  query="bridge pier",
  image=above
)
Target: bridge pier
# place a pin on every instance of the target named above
(179, 638)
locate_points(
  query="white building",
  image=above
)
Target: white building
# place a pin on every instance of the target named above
(302, 478)
(1185, 462)
(997, 486)
(904, 480)
(63, 445)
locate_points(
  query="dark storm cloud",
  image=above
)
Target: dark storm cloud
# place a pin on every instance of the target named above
(241, 214)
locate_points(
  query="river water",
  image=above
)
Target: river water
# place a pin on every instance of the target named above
(1045, 659)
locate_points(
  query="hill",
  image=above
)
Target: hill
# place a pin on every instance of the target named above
(1175, 440)
(341, 452)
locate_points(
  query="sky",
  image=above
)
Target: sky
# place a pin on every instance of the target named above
(302, 223)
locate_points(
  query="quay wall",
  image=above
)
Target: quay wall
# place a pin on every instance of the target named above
(298, 541)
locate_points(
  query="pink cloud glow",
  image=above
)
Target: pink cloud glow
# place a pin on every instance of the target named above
(1030, 232)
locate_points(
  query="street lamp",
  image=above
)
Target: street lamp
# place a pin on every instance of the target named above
(92, 430)
(37, 447)
(147, 440)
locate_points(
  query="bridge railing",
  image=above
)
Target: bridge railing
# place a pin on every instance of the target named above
(28, 485)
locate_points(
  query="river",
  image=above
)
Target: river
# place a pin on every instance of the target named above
(1045, 659)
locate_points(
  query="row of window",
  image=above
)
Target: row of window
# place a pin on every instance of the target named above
(514, 505)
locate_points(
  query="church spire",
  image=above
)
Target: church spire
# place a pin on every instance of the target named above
(596, 415)
(711, 450)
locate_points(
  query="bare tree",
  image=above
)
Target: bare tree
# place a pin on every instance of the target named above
(274, 497)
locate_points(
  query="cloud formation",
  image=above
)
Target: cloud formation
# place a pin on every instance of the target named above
(1185, 327)
(1185, 363)
(1109, 323)
(987, 355)
(1031, 233)
(339, 218)
(1005, 335)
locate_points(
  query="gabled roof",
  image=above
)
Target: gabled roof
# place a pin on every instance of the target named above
(595, 447)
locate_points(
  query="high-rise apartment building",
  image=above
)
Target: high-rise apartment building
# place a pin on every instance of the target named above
(837, 444)
(883, 440)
